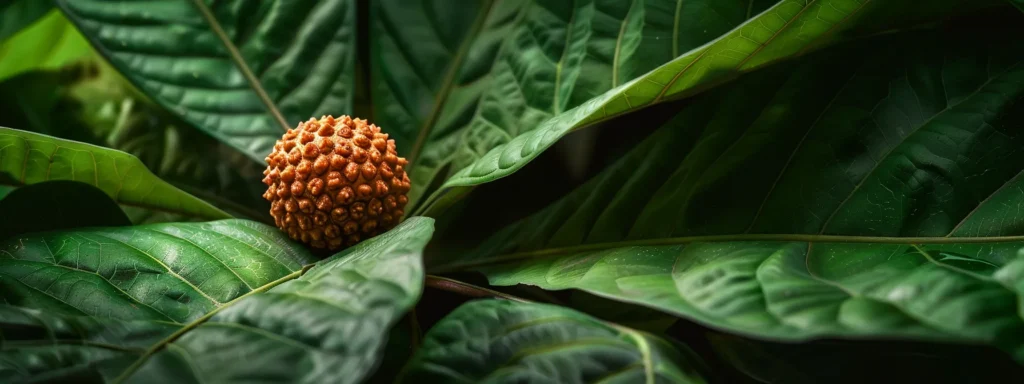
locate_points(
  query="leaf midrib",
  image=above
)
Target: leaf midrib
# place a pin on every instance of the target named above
(239, 61)
(618, 44)
(947, 109)
(446, 84)
(170, 270)
(128, 372)
(782, 237)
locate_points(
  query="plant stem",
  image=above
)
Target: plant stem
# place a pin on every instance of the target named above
(466, 289)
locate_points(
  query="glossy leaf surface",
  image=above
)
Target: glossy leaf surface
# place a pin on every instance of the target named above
(847, 196)
(242, 71)
(170, 272)
(29, 158)
(240, 293)
(454, 82)
(518, 110)
(51, 346)
(499, 341)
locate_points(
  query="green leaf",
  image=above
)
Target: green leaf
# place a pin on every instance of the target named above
(330, 325)
(49, 43)
(242, 71)
(93, 104)
(29, 158)
(287, 323)
(506, 341)
(18, 14)
(450, 83)
(56, 205)
(170, 272)
(54, 347)
(843, 197)
(509, 131)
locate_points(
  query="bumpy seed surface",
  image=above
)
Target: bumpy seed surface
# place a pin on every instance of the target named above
(332, 182)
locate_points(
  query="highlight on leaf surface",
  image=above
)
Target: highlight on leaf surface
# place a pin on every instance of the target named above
(494, 340)
(28, 158)
(849, 197)
(223, 301)
(820, 175)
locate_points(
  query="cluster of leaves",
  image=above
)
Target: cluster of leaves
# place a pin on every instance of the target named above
(686, 191)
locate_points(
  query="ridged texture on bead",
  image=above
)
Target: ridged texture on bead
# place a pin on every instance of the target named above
(332, 182)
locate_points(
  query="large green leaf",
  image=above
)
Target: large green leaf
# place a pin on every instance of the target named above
(242, 71)
(498, 341)
(453, 82)
(239, 303)
(514, 113)
(48, 43)
(847, 196)
(28, 158)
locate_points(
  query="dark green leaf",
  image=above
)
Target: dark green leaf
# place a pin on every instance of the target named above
(454, 82)
(49, 43)
(29, 158)
(329, 326)
(52, 347)
(502, 119)
(35, 101)
(241, 304)
(847, 196)
(242, 71)
(18, 14)
(56, 205)
(497, 341)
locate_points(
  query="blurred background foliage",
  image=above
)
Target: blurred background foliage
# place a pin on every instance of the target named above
(68, 90)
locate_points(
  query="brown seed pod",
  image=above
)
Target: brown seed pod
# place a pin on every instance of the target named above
(335, 182)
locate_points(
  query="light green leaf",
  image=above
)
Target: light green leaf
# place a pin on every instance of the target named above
(450, 83)
(49, 43)
(235, 291)
(843, 197)
(242, 71)
(506, 341)
(29, 158)
(501, 142)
